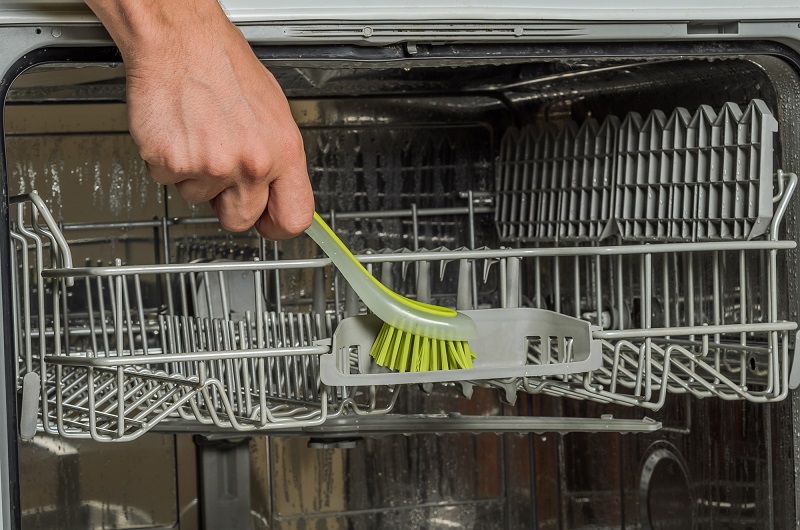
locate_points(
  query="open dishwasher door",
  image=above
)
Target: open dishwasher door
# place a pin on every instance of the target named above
(620, 220)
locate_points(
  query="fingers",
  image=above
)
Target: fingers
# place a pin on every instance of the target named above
(290, 207)
(221, 130)
(239, 210)
(279, 208)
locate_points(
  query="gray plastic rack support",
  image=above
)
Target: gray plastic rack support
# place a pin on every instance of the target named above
(224, 468)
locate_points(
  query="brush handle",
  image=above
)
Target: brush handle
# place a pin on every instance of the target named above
(396, 310)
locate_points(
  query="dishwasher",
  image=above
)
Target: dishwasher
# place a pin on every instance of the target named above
(610, 194)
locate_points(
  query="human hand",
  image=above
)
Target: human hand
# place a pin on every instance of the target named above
(208, 116)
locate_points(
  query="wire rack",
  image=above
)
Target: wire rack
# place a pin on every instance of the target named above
(119, 364)
(686, 303)
(693, 317)
(676, 317)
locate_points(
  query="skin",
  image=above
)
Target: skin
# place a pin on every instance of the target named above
(207, 116)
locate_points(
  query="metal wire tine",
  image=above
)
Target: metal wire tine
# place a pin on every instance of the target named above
(41, 312)
(180, 345)
(576, 267)
(61, 289)
(598, 282)
(331, 320)
(215, 366)
(207, 295)
(140, 308)
(23, 314)
(556, 272)
(743, 315)
(115, 298)
(647, 305)
(128, 322)
(268, 343)
(182, 289)
(190, 331)
(252, 342)
(718, 303)
(690, 288)
(17, 313)
(90, 308)
(120, 401)
(102, 306)
(194, 293)
(171, 339)
(665, 278)
(239, 367)
(197, 369)
(276, 255)
(292, 369)
(306, 338)
(320, 331)
(262, 391)
(223, 291)
(246, 365)
(247, 338)
(231, 375)
(302, 362)
(165, 241)
(180, 332)
(188, 342)
(286, 341)
(162, 335)
(259, 314)
(274, 364)
(202, 338)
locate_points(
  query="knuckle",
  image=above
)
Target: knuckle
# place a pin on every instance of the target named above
(235, 226)
(256, 165)
(191, 193)
(171, 160)
(292, 144)
(235, 223)
(220, 167)
(156, 150)
(239, 219)
(297, 224)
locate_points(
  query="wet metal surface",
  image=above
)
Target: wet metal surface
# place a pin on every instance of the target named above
(81, 484)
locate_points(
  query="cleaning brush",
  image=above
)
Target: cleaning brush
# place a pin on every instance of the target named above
(415, 337)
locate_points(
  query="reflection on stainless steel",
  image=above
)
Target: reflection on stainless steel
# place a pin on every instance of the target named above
(80, 484)
(55, 446)
(666, 500)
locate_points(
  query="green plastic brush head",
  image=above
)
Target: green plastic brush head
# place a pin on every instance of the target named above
(406, 352)
(416, 336)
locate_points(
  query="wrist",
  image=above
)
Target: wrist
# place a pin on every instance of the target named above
(144, 29)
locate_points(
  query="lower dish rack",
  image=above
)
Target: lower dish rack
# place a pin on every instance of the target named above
(619, 323)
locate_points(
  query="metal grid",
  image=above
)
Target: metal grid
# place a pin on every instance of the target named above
(121, 348)
(697, 318)
(693, 317)
(121, 364)
(679, 317)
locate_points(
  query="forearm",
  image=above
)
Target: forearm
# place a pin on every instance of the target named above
(149, 27)
(207, 116)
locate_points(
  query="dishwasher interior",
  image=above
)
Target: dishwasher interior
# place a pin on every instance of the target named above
(623, 232)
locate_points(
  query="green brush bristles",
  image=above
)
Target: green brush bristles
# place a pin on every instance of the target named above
(406, 352)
